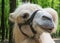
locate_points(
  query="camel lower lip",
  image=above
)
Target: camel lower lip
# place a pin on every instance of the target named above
(46, 29)
(49, 31)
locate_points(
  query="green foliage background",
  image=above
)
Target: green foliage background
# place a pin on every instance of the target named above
(55, 4)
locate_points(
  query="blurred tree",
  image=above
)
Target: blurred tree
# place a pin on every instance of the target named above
(52, 3)
(24, 0)
(2, 21)
(12, 8)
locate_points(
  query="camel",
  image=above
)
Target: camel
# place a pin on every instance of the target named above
(33, 24)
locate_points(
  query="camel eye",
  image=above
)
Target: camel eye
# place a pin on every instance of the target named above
(25, 15)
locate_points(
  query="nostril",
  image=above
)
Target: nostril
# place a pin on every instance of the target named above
(50, 29)
(45, 18)
(52, 25)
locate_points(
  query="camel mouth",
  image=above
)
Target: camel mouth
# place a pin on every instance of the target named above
(46, 28)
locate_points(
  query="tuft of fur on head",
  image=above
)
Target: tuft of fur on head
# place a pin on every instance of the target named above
(24, 8)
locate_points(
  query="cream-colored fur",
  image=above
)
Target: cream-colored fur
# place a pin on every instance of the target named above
(41, 36)
(46, 38)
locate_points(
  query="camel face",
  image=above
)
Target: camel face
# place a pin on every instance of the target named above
(42, 20)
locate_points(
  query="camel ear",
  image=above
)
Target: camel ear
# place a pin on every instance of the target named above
(11, 17)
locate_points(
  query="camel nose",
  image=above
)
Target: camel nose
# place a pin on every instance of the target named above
(48, 26)
(51, 26)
